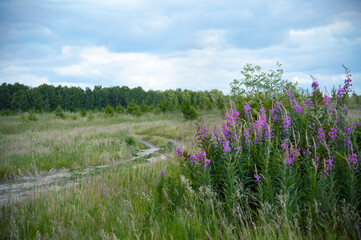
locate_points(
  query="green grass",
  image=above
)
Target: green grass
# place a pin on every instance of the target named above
(28, 147)
(121, 203)
(126, 202)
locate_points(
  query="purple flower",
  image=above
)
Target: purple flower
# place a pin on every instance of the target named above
(274, 118)
(201, 133)
(246, 109)
(247, 135)
(329, 165)
(308, 102)
(271, 112)
(352, 161)
(226, 147)
(298, 109)
(289, 94)
(327, 101)
(316, 161)
(203, 155)
(333, 133)
(216, 134)
(340, 92)
(278, 106)
(289, 161)
(194, 158)
(238, 149)
(258, 178)
(321, 134)
(162, 172)
(232, 115)
(179, 152)
(315, 84)
(286, 123)
(207, 162)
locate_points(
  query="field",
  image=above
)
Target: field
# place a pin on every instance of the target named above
(52, 144)
(129, 198)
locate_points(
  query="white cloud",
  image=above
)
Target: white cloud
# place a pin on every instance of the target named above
(205, 68)
(151, 25)
(210, 38)
(73, 70)
(69, 84)
(14, 69)
(319, 35)
(25, 78)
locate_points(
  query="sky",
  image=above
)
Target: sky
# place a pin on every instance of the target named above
(187, 44)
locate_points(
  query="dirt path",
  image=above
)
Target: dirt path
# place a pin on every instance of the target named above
(21, 187)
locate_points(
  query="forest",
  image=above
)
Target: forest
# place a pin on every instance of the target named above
(46, 98)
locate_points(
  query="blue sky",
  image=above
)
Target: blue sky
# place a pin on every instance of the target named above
(188, 44)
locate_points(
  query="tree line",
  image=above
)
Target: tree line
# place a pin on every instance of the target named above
(46, 98)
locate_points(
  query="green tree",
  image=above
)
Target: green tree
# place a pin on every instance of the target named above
(59, 112)
(133, 109)
(333, 93)
(109, 111)
(144, 108)
(259, 88)
(119, 109)
(83, 112)
(189, 112)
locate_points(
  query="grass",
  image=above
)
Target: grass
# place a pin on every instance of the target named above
(119, 203)
(29, 147)
(124, 202)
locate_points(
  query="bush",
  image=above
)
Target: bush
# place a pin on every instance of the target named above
(109, 111)
(83, 112)
(189, 112)
(91, 115)
(32, 116)
(304, 151)
(257, 87)
(134, 109)
(6, 112)
(59, 112)
(119, 109)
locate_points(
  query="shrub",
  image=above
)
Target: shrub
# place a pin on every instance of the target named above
(133, 108)
(189, 112)
(59, 112)
(83, 112)
(91, 115)
(119, 109)
(32, 116)
(257, 87)
(109, 111)
(305, 151)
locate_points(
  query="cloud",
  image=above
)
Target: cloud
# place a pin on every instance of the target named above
(206, 68)
(319, 35)
(211, 38)
(187, 44)
(70, 84)
(26, 79)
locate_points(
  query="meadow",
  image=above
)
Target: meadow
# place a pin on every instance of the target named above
(129, 201)
(52, 144)
(285, 167)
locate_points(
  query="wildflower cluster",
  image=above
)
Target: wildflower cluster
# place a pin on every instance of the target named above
(294, 146)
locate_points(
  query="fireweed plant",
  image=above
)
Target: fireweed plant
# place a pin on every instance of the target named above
(307, 151)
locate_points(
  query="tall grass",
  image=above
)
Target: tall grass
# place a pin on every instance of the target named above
(137, 201)
(28, 147)
(298, 160)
